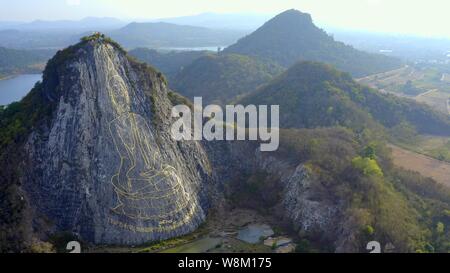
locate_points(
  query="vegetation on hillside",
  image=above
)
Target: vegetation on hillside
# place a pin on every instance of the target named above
(316, 95)
(381, 202)
(221, 78)
(351, 163)
(16, 122)
(14, 61)
(170, 63)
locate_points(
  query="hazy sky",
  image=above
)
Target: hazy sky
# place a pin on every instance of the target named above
(420, 17)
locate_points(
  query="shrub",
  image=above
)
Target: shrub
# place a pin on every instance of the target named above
(368, 166)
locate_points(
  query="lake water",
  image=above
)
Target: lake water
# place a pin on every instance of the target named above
(14, 89)
(254, 233)
(207, 48)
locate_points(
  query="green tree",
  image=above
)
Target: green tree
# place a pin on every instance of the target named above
(367, 166)
(369, 151)
(440, 228)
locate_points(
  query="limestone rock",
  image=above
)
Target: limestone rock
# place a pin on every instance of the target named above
(105, 166)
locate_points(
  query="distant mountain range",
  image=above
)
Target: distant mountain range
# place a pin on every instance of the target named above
(248, 22)
(41, 34)
(59, 33)
(88, 23)
(171, 35)
(154, 35)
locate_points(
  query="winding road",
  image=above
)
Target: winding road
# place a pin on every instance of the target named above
(426, 93)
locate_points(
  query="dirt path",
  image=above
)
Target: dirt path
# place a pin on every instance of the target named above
(426, 93)
(426, 166)
(382, 73)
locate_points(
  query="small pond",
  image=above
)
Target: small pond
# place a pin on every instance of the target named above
(253, 233)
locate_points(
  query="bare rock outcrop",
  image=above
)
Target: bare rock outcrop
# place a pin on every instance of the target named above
(105, 166)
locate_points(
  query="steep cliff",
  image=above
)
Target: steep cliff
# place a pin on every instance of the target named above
(286, 190)
(103, 164)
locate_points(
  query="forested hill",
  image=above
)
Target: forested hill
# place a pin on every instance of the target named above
(224, 77)
(292, 36)
(317, 95)
(14, 61)
(170, 63)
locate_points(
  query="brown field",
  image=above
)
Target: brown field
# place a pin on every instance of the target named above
(426, 166)
(436, 99)
(388, 80)
(437, 92)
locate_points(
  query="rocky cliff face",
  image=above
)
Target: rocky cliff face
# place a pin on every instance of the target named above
(105, 166)
(297, 203)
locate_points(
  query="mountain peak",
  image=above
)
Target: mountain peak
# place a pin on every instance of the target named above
(290, 21)
(115, 115)
(293, 14)
(100, 38)
(68, 54)
(291, 36)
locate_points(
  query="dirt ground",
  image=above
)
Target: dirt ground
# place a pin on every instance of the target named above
(427, 166)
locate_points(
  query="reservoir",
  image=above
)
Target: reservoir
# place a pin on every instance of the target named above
(14, 89)
(202, 48)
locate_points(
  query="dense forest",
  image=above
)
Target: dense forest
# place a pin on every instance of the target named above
(222, 78)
